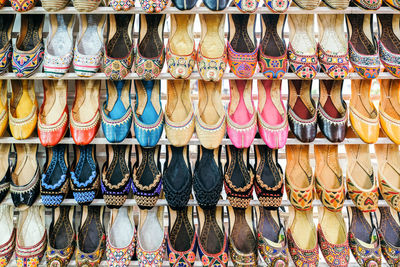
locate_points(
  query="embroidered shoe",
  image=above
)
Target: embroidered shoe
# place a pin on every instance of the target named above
(302, 50)
(23, 5)
(389, 48)
(181, 50)
(389, 112)
(5, 173)
(121, 5)
(242, 45)
(116, 111)
(277, 6)
(28, 51)
(148, 113)
(155, 6)
(85, 178)
(307, 4)
(3, 107)
(86, 5)
(55, 177)
(3, 3)
(247, 6)
(363, 48)
(59, 48)
(395, 4)
(388, 220)
(241, 123)
(119, 46)
(6, 47)
(88, 51)
(212, 56)
(150, 52)
(85, 113)
(54, 6)
(7, 242)
(368, 4)
(53, 114)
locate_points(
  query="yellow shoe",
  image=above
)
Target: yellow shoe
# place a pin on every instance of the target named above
(23, 109)
(3, 107)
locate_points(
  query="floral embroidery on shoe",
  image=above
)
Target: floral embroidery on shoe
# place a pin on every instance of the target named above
(248, 6)
(211, 69)
(7, 249)
(22, 5)
(272, 67)
(59, 257)
(243, 65)
(301, 199)
(278, 6)
(242, 259)
(304, 66)
(5, 57)
(149, 68)
(118, 257)
(124, 5)
(366, 201)
(274, 254)
(368, 4)
(390, 61)
(334, 254)
(150, 258)
(153, 6)
(55, 66)
(24, 64)
(390, 195)
(117, 68)
(366, 256)
(218, 260)
(86, 65)
(335, 66)
(184, 258)
(302, 257)
(367, 66)
(331, 199)
(390, 252)
(180, 66)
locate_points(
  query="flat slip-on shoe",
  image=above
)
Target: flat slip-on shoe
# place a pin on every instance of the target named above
(5, 171)
(363, 47)
(329, 180)
(6, 47)
(23, 5)
(88, 51)
(216, 5)
(53, 116)
(155, 6)
(271, 238)
(307, 4)
(389, 227)
(23, 109)
(362, 186)
(86, 5)
(302, 111)
(179, 113)
(302, 49)
(299, 179)
(146, 176)
(242, 237)
(177, 178)
(388, 157)
(363, 238)
(151, 239)
(302, 238)
(210, 115)
(118, 57)
(181, 49)
(31, 237)
(85, 177)
(121, 5)
(268, 182)
(58, 53)
(28, 50)
(367, 5)
(116, 111)
(332, 46)
(392, 3)
(241, 122)
(337, 4)
(91, 238)
(3, 107)
(116, 175)
(85, 113)
(389, 109)
(212, 57)
(272, 56)
(8, 233)
(242, 45)
(148, 114)
(389, 43)
(238, 177)
(246, 6)
(184, 4)
(62, 238)
(25, 178)
(332, 111)
(55, 180)
(150, 52)
(272, 117)
(363, 115)
(121, 237)
(54, 5)
(332, 238)
(278, 6)
(3, 3)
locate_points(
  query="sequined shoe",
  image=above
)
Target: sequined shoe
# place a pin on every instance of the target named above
(389, 43)
(6, 47)
(28, 50)
(389, 109)
(388, 220)
(7, 240)
(23, 5)
(121, 5)
(62, 239)
(150, 53)
(86, 5)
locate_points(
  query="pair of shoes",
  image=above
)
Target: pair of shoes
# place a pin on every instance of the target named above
(6, 47)
(330, 114)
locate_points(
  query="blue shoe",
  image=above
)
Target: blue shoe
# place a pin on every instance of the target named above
(148, 114)
(116, 111)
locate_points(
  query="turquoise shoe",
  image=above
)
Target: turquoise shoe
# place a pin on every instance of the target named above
(149, 116)
(116, 111)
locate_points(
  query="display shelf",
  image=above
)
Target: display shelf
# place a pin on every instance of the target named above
(205, 10)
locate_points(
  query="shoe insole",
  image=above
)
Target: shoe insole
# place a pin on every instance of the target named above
(207, 170)
(360, 225)
(299, 107)
(241, 41)
(117, 154)
(90, 42)
(89, 102)
(178, 103)
(32, 229)
(6, 224)
(57, 152)
(272, 44)
(333, 227)
(238, 178)
(327, 157)
(360, 98)
(182, 232)
(151, 44)
(5, 23)
(55, 103)
(148, 177)
(86, 169)
(181, 42)
(26, 163)
(241, 233)
(61, 43)
(267, 176)
(387, 35)
(178, 171)
(360, 24)
(297, 156)
(330, 41)
(118, 109)
(211, 235)
(362, 169)
(26, 103)
(241, 114)
(303, 230)
(122, 230)
(90, 233)
(32, 37)
(207, 108)
(389, 227)
(329, 106)
(120, 44)
(151, 235)
(212, 46)
(149, 115)
(4, 163)
(60, 239)
(268, 225)
(302, 42)
(390, 171)
(390, 101)
(270, 113)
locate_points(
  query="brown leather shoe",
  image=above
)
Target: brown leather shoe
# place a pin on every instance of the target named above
(389, 109)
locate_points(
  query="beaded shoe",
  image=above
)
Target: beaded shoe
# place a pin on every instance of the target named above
(23, 5)
(121, 5)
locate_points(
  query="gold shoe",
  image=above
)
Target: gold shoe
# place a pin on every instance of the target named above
(23, 108)
(3, 107)
(389, 109)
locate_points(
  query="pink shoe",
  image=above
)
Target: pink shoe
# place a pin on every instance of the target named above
(242, 122)
(272, 117)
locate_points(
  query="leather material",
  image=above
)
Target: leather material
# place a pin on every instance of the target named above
(184, 4)
(216, 5)
(389, 47)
